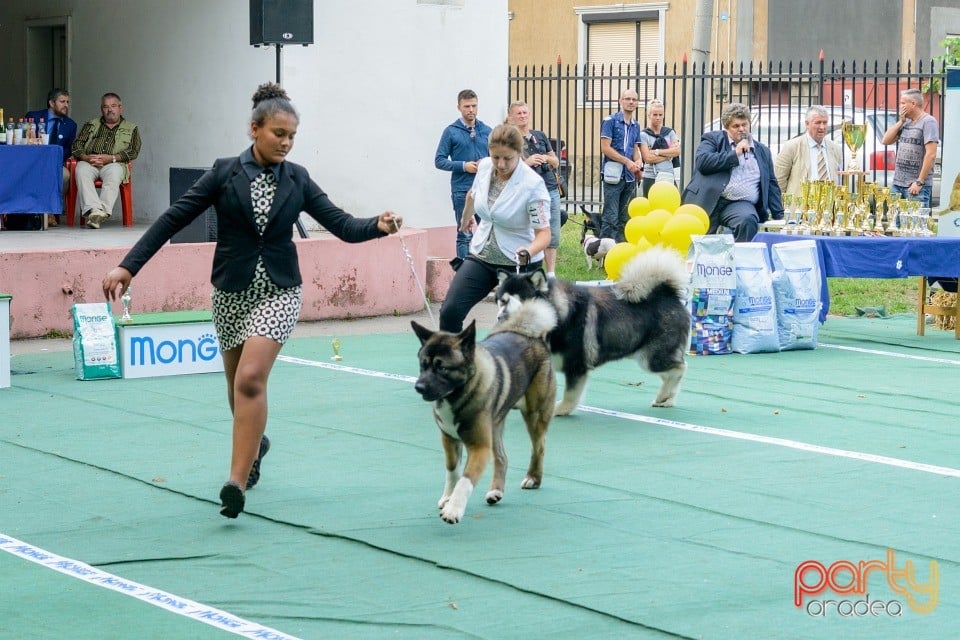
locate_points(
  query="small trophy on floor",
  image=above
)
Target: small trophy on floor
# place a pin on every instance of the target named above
(125, 300)
(336, 350)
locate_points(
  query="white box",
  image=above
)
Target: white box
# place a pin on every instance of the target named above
(4, 340)
(948, 225)
(155, 348)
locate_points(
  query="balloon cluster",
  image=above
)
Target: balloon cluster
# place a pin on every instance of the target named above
(661, 219)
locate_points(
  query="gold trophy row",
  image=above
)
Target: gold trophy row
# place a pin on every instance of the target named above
(826, 208)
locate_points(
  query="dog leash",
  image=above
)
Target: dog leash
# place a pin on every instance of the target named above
(413, 270)
(523, 258)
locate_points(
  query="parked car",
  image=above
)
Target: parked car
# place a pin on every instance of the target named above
(774, 125)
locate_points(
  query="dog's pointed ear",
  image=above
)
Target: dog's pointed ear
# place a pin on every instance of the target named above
(539, 280)
(468, 337)
(422, 332)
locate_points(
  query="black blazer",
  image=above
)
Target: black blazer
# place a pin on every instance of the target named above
(239, 243)
(715, 159)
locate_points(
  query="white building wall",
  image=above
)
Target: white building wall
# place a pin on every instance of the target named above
(374, 91)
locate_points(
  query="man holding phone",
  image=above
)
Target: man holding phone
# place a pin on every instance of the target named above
(917, 135)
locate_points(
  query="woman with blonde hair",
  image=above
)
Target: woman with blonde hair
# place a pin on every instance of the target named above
(513, 206)
(659, 147)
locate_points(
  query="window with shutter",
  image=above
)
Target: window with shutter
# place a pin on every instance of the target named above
(625, 41)
(625, 52)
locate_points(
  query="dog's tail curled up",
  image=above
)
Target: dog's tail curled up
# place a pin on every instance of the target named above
(653, 268)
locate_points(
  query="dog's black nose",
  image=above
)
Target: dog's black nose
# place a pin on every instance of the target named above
(420, 388)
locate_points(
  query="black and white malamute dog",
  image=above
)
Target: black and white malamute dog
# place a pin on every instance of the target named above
(473, 385)
(643, 315)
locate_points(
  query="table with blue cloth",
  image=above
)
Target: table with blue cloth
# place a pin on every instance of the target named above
(31, 178)
(876, 257)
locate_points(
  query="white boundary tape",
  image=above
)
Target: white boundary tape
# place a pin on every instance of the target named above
(890, 354)
(175, 604)
(673, 424)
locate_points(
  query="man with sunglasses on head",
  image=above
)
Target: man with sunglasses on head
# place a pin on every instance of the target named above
(462, 145)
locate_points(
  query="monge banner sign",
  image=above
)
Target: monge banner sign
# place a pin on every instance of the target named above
(169, 350)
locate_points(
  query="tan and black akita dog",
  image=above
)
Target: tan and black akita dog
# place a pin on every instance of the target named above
(474, 385)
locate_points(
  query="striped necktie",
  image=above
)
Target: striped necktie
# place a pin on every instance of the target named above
(822, 172)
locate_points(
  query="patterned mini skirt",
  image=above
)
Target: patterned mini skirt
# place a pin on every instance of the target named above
(262, 309)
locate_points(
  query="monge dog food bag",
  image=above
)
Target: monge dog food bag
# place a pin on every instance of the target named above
(754, 314)
(713, 285)
(94, 342)
(796, 288)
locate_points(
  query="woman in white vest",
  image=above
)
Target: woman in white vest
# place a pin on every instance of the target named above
(513, 207)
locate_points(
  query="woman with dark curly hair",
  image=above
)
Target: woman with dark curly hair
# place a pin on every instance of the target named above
(258, 196)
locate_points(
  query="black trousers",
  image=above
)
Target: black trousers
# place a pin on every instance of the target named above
(473, 281)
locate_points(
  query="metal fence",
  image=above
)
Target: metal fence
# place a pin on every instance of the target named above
(569, 103)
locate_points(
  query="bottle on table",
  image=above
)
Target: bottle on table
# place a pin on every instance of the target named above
(42, 137)
(18, 133)
(10, 128)
(3, 129)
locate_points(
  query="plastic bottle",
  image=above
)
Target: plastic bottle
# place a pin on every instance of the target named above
(3, 129)
(42, 138)
(10, 128)
(18, 133)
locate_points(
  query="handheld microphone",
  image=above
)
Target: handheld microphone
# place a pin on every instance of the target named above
(745, 136)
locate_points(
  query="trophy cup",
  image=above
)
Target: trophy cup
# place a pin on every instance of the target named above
(336, 350)
(854, 136)
(853, 219)
(839, 216)
(825, 227)
(125, 300)
(893, 214)
(796, 214)
(883, 210)
(787, 213)
(925, 217)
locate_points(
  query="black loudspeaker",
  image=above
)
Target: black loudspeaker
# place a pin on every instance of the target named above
(281, 22)
(204, 227)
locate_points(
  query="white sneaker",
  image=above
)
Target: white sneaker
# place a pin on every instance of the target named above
(95, 218)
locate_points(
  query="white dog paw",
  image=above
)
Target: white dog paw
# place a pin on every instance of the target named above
(529, 482)
(564, 408)
(662, 403)
(443, 502)
(494, 496)
(451, 514)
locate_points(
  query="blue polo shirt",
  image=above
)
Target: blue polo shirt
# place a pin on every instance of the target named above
(623, 137)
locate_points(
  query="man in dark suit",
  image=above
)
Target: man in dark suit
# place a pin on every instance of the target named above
(60, 129)
(733, 177)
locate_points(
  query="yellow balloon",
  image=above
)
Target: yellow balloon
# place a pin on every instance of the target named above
(643, 244)
(633, 230)
(664, 195)
(651, 224)
(697, 211)
(678, 230)
(639, 206)
(618, 256)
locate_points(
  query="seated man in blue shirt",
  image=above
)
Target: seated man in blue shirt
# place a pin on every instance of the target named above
(733, 177)
(59, 127)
